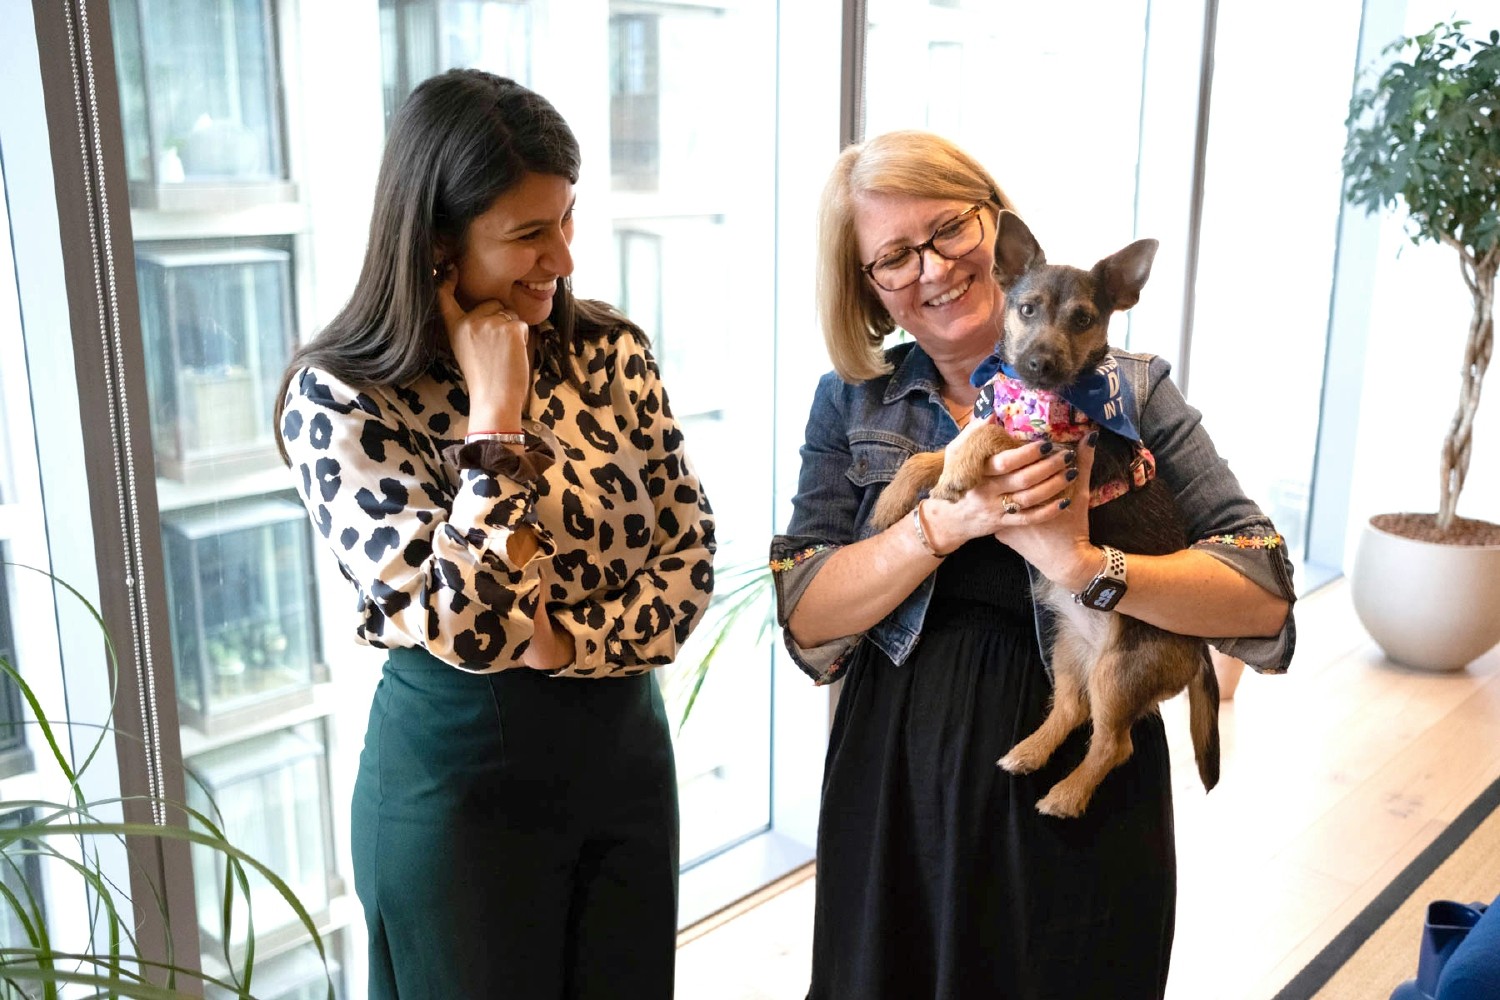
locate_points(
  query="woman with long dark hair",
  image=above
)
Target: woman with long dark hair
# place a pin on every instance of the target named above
(497, 470)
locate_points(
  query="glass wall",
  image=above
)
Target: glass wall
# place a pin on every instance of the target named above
(43, 627)
(1271, 199)
(1053, 99)
(20, 518)
(1047, 96)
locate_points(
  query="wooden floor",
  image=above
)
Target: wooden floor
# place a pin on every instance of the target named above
(1335, 776)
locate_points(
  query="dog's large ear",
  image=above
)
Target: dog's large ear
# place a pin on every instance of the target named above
(1123, 274)
(1016, 250)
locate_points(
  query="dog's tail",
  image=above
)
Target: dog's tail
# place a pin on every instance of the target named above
(918, 473)
(1203, 717)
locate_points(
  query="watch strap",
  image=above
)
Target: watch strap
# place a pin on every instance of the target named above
(1108, 585)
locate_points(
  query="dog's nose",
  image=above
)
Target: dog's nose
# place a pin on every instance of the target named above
(1040, 368)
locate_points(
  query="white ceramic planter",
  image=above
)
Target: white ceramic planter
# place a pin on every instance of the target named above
(1434, 607)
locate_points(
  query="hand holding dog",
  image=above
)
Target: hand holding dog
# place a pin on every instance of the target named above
(1035, 476)
(1052, 537)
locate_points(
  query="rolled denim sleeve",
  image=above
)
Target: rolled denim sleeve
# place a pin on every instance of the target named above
(794, 562)
(1221, 519)
(824, 514)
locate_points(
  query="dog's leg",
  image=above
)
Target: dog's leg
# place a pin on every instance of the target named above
(916, 474)
(1115, 709)
(971, 460)
(929, 470)
(1070, 707)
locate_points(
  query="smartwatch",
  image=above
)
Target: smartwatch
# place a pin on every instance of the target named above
(1108, 586)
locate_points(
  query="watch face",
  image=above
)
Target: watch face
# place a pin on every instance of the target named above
(1103, 594)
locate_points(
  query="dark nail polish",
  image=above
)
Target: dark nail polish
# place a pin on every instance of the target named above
(1070, 456)
(1070, 475)
(1093, 438)
(1066, 501)
(1046, 447)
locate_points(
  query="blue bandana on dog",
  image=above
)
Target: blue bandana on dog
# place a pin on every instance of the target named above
(1101, 394)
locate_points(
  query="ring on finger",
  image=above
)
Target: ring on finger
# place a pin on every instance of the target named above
(1008, 504)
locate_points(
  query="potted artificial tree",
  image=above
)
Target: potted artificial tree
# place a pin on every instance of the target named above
(1426, 137)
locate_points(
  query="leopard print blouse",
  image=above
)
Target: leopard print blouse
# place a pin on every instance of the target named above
(625, 533)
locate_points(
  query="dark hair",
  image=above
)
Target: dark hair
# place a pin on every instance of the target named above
(458, 142)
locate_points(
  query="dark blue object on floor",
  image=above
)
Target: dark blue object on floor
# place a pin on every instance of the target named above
(1473, 970)
(1460, 954)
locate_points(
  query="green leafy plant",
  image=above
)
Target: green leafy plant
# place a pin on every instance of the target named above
(70, 834)
(1426, 136)
(742, 599)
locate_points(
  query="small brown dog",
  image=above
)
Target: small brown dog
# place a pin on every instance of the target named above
(1107, 667)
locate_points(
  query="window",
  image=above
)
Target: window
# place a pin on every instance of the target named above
(38, 634)
(14, 757)
(218, 328)
(268, 793)
(640, 282)
(422, 37)
(634, 100)
(18, 509)
(1096, 146)
(1303, 181)
(23, 878)
(224, 283)
(239, 586)
(1055, 119)
(200, 99)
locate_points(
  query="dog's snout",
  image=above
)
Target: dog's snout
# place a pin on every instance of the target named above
(1041, 369)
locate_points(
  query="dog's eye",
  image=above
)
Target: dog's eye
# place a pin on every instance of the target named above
(1026, 309)
(1082, 320)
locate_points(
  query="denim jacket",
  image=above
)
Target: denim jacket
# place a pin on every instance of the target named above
(858, 436)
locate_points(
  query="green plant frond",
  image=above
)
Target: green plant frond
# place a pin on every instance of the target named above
(122, 982)
(748, 591)
(237, 859)
(43, 724)
(100, 889)
(114, 671)
(217, 843)
(36, 834)
(35, 929)
(211, 836)
(234, 874)
(78, 821)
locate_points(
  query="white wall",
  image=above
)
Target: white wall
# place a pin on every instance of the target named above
(1419, 320)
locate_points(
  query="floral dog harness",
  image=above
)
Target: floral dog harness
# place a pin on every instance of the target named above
(1099, 398)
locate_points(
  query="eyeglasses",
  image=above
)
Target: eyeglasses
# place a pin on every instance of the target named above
(957, 237)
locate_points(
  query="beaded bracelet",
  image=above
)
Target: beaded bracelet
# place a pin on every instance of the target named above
(916, 520)
(504, 437)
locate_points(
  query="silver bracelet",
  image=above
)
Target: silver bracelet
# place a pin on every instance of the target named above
(501, 436)
(916, 520)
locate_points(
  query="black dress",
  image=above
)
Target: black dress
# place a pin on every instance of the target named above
(937, 878)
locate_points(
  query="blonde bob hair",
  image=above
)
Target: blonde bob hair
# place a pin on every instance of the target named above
(907, 162)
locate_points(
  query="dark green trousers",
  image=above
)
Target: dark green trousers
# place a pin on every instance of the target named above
(515, 836)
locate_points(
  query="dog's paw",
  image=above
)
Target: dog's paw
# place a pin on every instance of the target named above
(1018, 762)
(1063, 802)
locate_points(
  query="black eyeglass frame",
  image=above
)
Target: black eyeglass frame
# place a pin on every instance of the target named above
(930, 243)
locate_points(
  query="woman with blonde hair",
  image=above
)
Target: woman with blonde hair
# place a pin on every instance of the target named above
(937, 877)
